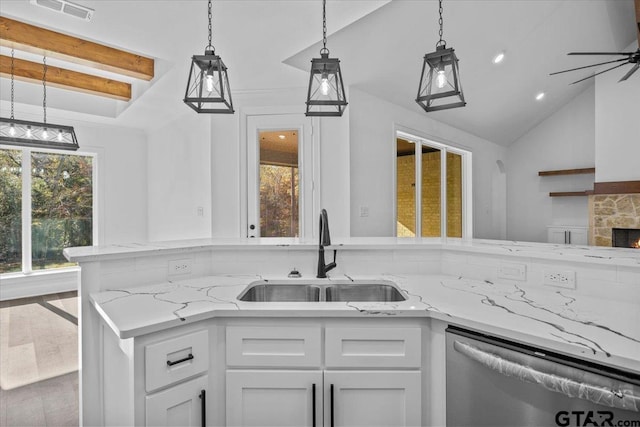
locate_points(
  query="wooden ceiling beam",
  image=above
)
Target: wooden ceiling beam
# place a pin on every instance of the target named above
(26, 37)
(65, 79)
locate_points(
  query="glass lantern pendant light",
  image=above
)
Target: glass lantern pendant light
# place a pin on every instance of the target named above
(440, 86)
(325, 96)
(36, 134)
(208, 88)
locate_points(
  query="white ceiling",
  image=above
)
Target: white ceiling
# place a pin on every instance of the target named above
(268, 44)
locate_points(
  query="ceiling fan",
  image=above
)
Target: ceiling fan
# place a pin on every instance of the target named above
(631, 57)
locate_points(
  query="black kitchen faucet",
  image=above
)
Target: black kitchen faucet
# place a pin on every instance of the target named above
(325, 240)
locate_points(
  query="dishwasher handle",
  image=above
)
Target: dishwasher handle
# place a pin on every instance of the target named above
(621, 399)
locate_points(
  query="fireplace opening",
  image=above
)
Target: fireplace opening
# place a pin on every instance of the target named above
(625, 238)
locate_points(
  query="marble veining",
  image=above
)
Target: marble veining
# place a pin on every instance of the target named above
(593, 254)
(607, 332)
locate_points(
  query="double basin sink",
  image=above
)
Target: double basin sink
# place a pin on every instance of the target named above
(321, 291)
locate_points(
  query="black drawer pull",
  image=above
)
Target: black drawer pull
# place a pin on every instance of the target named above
(189, 357)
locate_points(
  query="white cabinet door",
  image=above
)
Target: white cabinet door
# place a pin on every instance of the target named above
(557, 235)
(372, 398)
(180, 405)
(274, 398)
(570, 235)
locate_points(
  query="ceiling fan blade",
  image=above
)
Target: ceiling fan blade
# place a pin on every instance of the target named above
(596, 74)
(601, 53)
(631, 71)
(587, 66)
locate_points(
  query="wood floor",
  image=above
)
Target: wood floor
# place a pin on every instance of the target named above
(39, 361)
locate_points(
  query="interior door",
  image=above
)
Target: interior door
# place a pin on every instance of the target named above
(281, 195)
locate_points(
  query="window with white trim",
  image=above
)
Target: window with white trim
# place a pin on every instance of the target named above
(433, 188)
(45, 210)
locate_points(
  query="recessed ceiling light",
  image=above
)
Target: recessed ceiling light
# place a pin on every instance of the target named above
(498, 58)
(539, 96)
(281, 136)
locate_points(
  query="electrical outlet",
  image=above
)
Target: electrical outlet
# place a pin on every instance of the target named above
(180, 266)
(512, 271)
(560, 278)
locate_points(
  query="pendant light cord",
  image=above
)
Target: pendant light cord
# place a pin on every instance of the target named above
(324, 28)
(210, 15)
(44, 89)
(12, 86)
(441, 42)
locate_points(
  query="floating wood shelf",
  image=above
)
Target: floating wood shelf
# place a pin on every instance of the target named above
(569, 193)
(567, 172)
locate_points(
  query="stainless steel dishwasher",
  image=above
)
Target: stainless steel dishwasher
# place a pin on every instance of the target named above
(495, 382)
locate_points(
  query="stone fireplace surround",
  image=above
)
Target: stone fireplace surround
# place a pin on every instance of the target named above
(613, 205)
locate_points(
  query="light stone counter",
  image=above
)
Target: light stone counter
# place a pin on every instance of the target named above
(604, 331)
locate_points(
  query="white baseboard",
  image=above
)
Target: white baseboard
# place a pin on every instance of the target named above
(18, 285)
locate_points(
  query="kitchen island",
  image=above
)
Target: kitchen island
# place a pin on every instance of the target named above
(493, 287)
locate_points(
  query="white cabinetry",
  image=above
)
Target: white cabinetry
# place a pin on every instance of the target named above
(180, 405)
(159, 379)
(570, 235)
(382, 386)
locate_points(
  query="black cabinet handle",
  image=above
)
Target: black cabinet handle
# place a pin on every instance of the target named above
(313, 405)
(189, 357)
(204, 408)
(331, 398)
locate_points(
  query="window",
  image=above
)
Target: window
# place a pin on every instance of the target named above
(45, 210)
(432, 189)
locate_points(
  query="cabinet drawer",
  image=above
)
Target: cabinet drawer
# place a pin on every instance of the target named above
(373, 347)
(273, 346)
(176, 359)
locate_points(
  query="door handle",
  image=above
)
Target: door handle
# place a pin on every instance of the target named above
(313, 405)
(331, 400)
(203, 406)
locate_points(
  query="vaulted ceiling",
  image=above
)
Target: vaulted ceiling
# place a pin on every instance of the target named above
(268, 44)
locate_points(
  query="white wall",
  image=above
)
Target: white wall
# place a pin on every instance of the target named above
(228, 133)
(122, 180)
(372, 144)
(617, 126)
(565, 140)
(179, 155)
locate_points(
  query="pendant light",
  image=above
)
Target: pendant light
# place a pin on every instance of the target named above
(440, 86)
(208, 88)
(36, 134)
(325, 96)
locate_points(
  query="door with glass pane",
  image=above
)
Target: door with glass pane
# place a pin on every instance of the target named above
(431, 199)
(280, 194)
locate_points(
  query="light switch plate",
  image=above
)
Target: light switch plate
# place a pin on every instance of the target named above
(512, 271)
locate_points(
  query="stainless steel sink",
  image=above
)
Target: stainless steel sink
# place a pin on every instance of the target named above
(280, 292)
(369, 292)
(322, 291)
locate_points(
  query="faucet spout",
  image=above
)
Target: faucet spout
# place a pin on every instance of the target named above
(325, 240)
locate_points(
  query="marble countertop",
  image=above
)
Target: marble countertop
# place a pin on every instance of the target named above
(604, 331)
(589, 254)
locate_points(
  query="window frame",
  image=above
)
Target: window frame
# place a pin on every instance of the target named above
(26, 207)
(419, 140)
